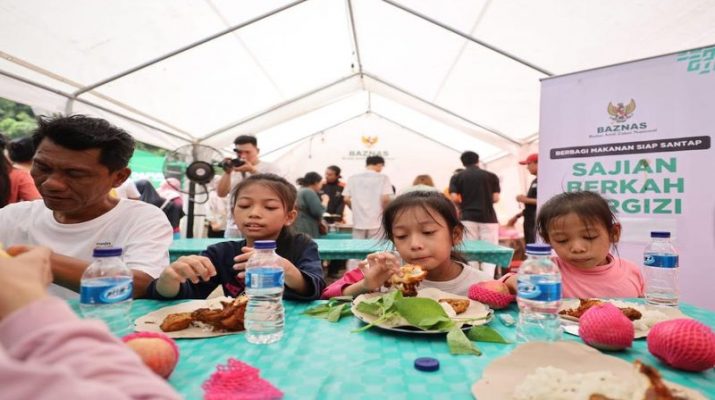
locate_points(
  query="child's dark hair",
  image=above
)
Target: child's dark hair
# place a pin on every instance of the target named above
(310, 178)
(431, 202)
(589, 206)
(21, 150)
(285, 191)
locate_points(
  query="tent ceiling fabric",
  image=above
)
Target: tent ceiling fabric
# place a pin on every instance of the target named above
(288, 69)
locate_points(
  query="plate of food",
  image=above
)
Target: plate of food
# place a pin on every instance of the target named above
(644, 316)
(579, 372)
(196, 318)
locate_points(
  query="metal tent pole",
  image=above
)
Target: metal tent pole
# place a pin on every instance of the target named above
(468, 37)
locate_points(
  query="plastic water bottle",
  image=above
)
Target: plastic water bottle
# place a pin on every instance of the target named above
(660, 270)
(264, 316)
(106, 290)
(538, 296)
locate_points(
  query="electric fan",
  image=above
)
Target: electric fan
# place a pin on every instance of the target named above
(196, 163)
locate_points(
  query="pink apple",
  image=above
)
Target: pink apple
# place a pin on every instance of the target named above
(495, 286)
(605, 327)
(683, 343)
(158, 351)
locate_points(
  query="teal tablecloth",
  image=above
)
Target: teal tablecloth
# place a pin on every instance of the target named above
(317, 359)
(342, 249)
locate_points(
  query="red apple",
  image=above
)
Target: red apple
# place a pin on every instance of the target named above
(158, 351)
(495, 286)
(605, 327)
(683, 343)
(493, 293)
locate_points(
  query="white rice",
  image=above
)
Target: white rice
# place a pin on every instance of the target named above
(549, 383)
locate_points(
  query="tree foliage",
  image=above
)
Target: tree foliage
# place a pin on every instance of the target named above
(16, 119)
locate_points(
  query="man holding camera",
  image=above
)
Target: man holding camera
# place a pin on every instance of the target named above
(246, 163)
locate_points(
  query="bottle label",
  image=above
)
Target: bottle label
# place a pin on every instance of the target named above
(661, 260)
(538, 288)
(264, 278)
(106, 291)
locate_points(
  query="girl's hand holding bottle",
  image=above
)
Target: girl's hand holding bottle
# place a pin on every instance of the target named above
(293, 276)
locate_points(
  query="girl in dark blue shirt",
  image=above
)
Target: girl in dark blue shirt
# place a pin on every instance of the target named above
(263, 208)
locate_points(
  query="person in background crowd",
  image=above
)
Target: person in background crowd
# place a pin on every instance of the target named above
(529, 200)
(456, 198)
(127, 190)
(78, 161)
(367, 193)
(171, 209)
(246, 148)
(169, 190)
(216, 211)
(479, 190)
(310, 207)
(423, 183)
(15, 184)
(333, 187)
(47, 352)
(21, 151)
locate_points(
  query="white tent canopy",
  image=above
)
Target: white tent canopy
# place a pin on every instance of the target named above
(464, 73)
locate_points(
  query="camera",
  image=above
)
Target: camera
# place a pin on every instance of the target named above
(229, 164)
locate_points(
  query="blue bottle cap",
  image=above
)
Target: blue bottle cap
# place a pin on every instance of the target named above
(264, 244)
(538, 249)
(100, 252)
(660, 234)
(427, 364)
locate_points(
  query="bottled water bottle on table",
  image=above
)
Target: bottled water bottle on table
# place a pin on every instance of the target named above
(538, 296)
(264, 286)
(106, 290)
(660, 270)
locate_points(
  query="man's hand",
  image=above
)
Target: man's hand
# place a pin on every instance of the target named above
(246, 167)
(24, 278)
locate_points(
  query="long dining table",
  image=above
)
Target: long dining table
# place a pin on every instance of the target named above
(343, 249)
(317, 359)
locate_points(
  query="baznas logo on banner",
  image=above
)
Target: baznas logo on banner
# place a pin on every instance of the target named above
(619, 115)
(369, 142)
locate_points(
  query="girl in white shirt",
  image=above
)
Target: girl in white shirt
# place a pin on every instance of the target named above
(425, 230)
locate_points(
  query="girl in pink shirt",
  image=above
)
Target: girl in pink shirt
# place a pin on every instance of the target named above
(581, 228)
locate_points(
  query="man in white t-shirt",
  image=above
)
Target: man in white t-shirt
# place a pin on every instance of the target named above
(78, 161)
(367, 194)
(247, 163)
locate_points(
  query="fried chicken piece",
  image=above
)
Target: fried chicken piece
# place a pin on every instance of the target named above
(176, 322)
(228, 318)
(411, 277)
(631, 313)
(585, 304)
(235, 315)
(207, 315)
(458, 305)
(658, 390)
